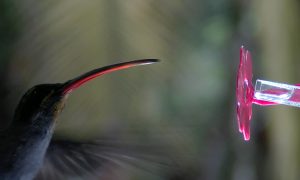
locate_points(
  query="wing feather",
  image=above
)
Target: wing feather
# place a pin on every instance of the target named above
(65, 158)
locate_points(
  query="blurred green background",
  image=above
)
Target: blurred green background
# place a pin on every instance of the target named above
(186, 101)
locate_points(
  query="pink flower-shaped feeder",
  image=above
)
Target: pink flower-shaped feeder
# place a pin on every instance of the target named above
(244, 93)
(265, 93)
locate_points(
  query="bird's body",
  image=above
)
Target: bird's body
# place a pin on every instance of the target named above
(22, 153)
(24, 143)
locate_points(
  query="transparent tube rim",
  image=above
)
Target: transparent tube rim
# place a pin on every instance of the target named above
(284, 98)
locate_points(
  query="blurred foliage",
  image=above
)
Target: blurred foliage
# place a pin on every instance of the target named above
(9, 33)
(186, 102)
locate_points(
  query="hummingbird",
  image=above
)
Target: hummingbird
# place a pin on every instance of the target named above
(26, 145)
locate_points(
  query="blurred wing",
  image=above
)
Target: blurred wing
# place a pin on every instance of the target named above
(77, 159)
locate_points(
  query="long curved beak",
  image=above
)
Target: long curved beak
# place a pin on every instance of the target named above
(73, 84)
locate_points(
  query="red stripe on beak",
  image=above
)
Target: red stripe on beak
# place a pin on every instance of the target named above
(69, 86)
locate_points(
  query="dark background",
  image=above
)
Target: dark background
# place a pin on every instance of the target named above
(186, 102)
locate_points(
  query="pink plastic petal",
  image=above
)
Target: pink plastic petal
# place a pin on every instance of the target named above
(244, 93)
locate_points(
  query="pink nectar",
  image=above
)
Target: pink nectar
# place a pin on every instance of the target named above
(265, 93)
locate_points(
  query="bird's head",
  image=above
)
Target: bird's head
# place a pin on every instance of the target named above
(49, 99)
(44, 98)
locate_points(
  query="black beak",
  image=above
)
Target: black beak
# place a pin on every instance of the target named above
(73, 84)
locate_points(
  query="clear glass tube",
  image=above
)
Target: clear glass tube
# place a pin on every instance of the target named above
(272, 93)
